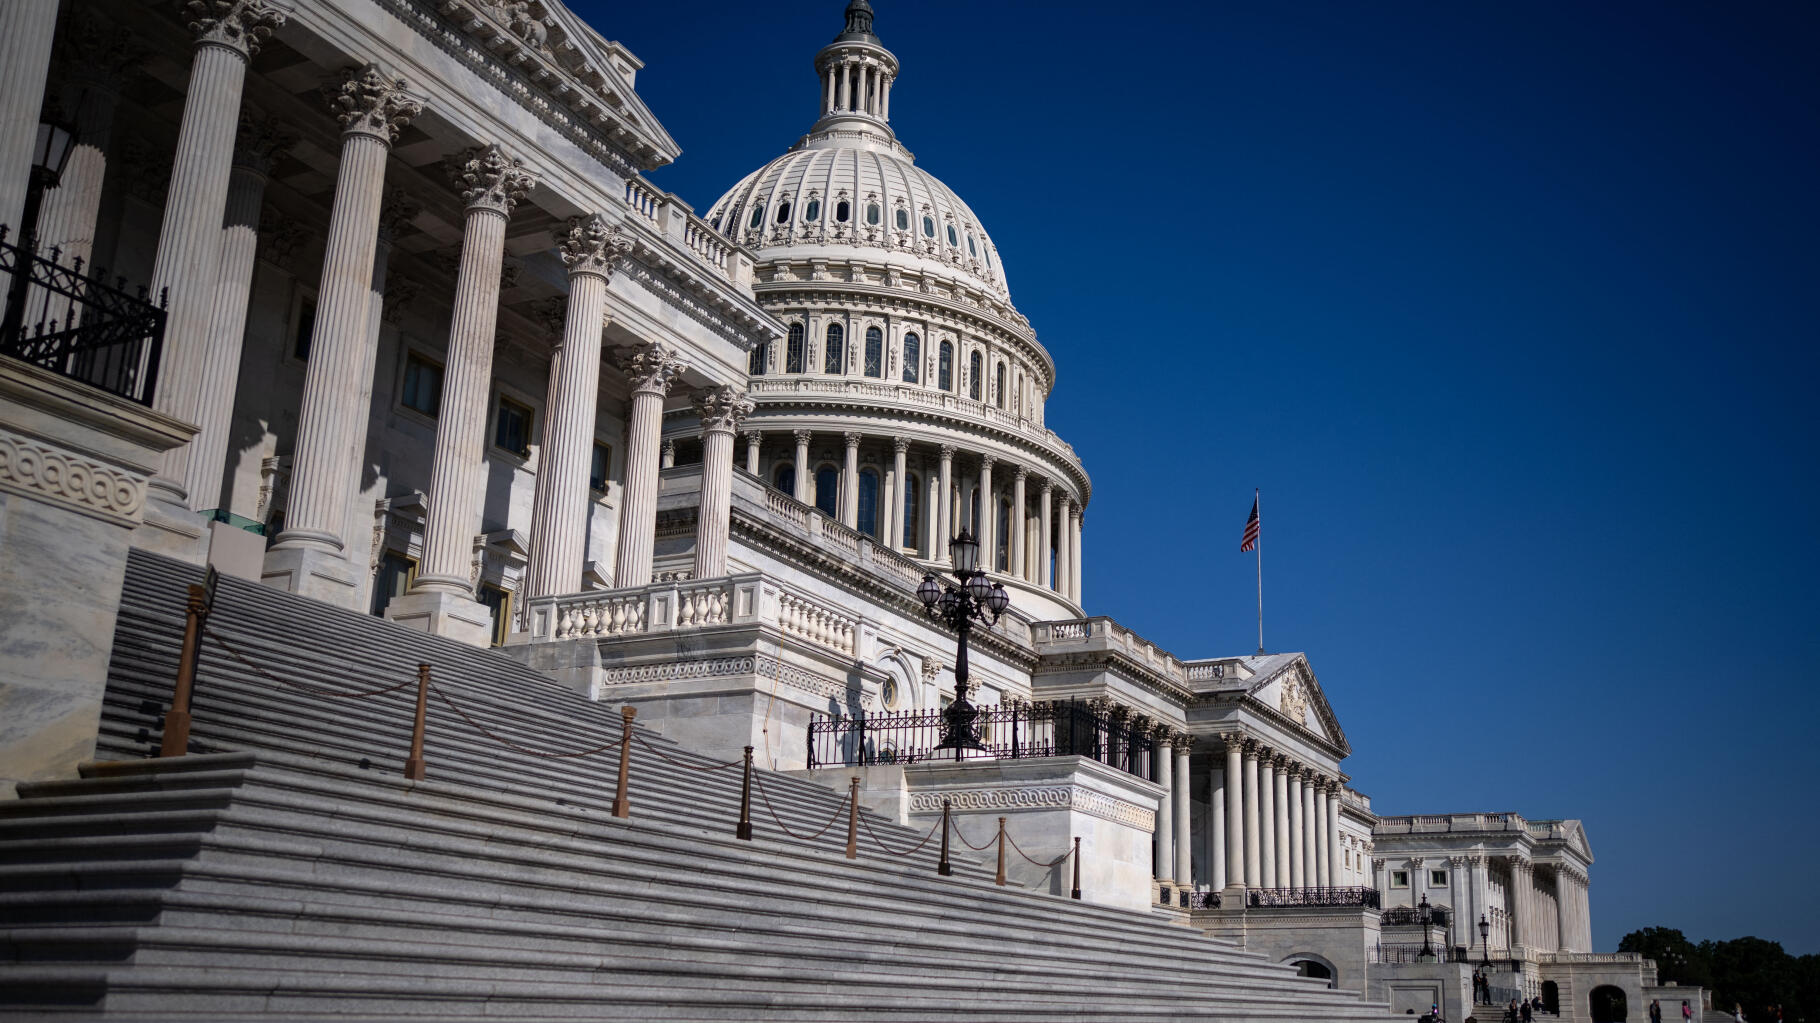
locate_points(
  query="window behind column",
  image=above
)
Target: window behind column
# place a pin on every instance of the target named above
(784, 478)
(875, 352)
(1002, 539)
(394, 578)
(945, 368)
(512, 427)
(999, 385)
(827, 490)
(868, 502)
(911, 484)
(498, 603)
(600, 467)
(422, 391)
(974, 373)
(913, 357)
(794, 361)
(835, 349)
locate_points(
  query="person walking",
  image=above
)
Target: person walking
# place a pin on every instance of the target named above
(1528, 1013)
(1655, 1012)
(1738, 1012)
(1686, 1013)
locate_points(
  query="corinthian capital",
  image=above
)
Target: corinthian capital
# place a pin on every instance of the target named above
(650, 367)
(238, 25)
(592, 245)
(370, 102)
(721, 408)
(492, 179)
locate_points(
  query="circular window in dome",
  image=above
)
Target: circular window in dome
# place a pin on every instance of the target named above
(953, 239)
(903, 220)
(842, 211)
(872, 214)
(928, 226)
(758, 216)
(813, 211)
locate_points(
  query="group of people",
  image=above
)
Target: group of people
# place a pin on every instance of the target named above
(1771, 1014)
(1523, 1010)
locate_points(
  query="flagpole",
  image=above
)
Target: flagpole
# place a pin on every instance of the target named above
(1257, 502)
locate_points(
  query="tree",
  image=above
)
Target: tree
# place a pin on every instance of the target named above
(1752, 972)
(1677, 959)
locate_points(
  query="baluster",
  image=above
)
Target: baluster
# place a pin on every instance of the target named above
(564, 624)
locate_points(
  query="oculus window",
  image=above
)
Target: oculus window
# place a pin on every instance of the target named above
(872, 214)
(422, 385)
(953, 239)
(842, 210)
(928, 226)
(971, 248)
(783, 212)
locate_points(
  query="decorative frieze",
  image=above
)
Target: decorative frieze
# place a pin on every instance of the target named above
(45, 470)
(1038, 797)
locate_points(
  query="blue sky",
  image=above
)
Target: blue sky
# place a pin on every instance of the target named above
(1509, 309)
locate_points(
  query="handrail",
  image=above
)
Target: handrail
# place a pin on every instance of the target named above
(76, 325)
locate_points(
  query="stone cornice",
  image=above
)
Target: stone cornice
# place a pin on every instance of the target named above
(1137, 671)
(689, 285)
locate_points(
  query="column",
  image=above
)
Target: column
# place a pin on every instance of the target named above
(332, 419)
(1165, 811)
(828, 91)
(1074, 553)
(721, 409)
(846, 89)
(1216, 824)
(1233, 794)
(1045, 570)
(27, 28)
(939, 543)
(1268, 807)
(988, 521)
(1323, 867)
(651, 370)
(1279, 827)
(753, 439)
(802, 475)
(441, 599)
(1480, 886)
(1184, 848)
(900, 448)
(189, 240)
(667, 459)
(849, 482)
(884, 101)
(91, 62)
(259, 139)
(560, 505)
(1254, 877)
(1516, 901)
(1018, 518)
(1379, 880)
(1063, 519)
(1298, 866)
(1310, 829)
(1334, 855)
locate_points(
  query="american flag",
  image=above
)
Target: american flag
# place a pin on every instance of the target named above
(1250, 541)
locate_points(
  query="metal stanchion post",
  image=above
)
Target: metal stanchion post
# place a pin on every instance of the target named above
(413, 767)
(621, 807)
(1001, 852)
(853, 820)
(1076, 893)
(177, 720)
(744, 830)
(942, 867)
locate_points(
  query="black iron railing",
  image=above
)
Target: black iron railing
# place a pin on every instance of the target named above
(63, 318)
(1261, 898)
(1200, 900)
(1054, 728)
(1397, 916)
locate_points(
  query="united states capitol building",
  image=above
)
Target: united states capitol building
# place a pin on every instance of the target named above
(424, 358)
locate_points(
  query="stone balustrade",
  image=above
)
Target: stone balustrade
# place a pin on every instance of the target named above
(818, 623)
(675, 220)
(1101, 632)
(1413, 825)
(1587, 957)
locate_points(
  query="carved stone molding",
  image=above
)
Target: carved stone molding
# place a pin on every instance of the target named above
(489, 178)
(721, 408)
(592, 246)
(1039, 797)
(45, 470)
(237, 25)
(370, 102)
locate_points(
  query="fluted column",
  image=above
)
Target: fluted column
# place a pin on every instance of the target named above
(1323, 870)
(1044, 569)
(1074, 554)
(939, 545)
(1516, 903)
(189, 240)
(900, 448)
(1165, 811)
(754, 439)
(1063, 573)
(1254, 877)
(1310, 829)
(560, 505)
(1216, 824)
(332, 419)
(1480, 884)
(721, 409)
(1235, 813)
(26, 30)
(1298, 867)
(803, 476)
(492, 183)
(1018, 516)
(849, 481)
(651, 370)
(1279, 827)
(988, 520)
(845, 102)
(91, 62)
(1184, 848)
(1269, 781)
(260, 139)
(1335, 861)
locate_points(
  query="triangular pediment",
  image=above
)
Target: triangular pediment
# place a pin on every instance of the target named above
(1292, 690)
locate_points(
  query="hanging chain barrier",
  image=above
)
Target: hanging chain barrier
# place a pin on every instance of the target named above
(763, 798)
(253, 667)
(693, 767)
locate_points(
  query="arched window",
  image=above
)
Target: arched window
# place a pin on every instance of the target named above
(913, 357)
(928, 226)
(999, 384)
(784, 478)
(835, 349)
(827, 490)
(912, 485)
(903, 219)
(875, 352)
(757, 360)
(842, 210)
(793, 353)
(944, 372)
(868, 502)
(953, 239)
(813, 211)
(758, 216)
(783, 212)
(1002, 538)
(974, 374)
(872, 214)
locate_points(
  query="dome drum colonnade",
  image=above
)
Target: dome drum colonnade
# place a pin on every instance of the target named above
(580, 216)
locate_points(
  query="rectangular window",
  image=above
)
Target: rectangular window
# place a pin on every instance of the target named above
(1437, 879)
(1399, 879)
(395, 572)
(422, 385)
(499, 602)
(304, 330)
(512, 427)
(600, 466)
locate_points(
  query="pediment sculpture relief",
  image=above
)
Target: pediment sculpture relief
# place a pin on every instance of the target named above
(1293, 701)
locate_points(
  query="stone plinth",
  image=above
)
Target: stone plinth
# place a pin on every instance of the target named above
(1416, 986)
(74, 463)
(1339, 938)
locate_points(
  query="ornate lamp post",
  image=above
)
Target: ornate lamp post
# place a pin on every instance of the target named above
(959, 606)
(1484, 941)
(1425, 913)
(55, 140)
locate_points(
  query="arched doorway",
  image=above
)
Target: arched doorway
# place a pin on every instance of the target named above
(1607, 1004)
(1307, 968)
(1310, 964)
(1551, 997)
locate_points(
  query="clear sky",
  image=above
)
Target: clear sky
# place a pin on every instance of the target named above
(1509, 309)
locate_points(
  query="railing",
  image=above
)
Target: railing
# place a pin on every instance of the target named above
(1200, 900)
(1451, 823)
(918, 395)
(1413, 954)
(1115, 637)
(62, 319)
(1265, 898)
(1398, 916)
(1010, 732)
(671, 217)
(1588, 957)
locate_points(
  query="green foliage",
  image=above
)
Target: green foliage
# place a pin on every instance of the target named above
(1751, 972)
(1677, 959)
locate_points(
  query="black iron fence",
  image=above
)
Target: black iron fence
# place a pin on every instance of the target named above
(67, 319)
(1261, 898)
(1398, 916)
(1051, 728)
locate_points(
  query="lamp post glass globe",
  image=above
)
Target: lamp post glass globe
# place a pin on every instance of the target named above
(965, 552)
(978, 587)
(55, 140)
(929, 592)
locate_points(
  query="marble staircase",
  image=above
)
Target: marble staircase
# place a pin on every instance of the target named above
(286, 870)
